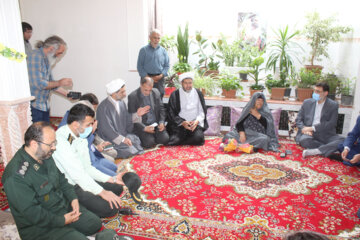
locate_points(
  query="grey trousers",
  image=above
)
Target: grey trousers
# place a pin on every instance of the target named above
(326, 146)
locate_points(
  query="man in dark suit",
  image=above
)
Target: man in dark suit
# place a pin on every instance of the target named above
(316, 122)
(187, 114)
(350, 149)
(146, 105)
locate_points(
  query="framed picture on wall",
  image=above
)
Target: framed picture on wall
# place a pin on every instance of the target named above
(252, 28)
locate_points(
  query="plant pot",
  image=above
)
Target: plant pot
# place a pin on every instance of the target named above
(304, 93)
(169, 90)
(252, 91)
(277, 93)
(287, 92)
(314, 68)
(213, 73)
(229, 94)
(331, 96)
(347, 100)
(243, 77)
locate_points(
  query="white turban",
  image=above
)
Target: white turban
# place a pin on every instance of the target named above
(114, 86)
(186, 75)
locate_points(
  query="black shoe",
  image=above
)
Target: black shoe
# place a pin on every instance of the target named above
(336, 157)
(127, 211)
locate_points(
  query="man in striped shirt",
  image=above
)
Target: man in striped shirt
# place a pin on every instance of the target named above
(40, 63)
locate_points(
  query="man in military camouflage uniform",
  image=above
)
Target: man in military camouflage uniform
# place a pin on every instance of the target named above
(43, 203)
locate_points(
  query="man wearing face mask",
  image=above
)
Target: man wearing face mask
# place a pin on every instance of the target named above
(44, 205)
(316, 122)
(40, 63)
(187, 114)
(97, 191)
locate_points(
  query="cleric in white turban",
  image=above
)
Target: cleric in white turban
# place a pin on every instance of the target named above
(186, 114)
(115, 122)
(114, 86)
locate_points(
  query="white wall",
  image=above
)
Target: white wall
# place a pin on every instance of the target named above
(103, 39)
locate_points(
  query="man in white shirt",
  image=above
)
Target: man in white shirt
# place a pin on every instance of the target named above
(186, 114)
(316, 122)
(97, 191)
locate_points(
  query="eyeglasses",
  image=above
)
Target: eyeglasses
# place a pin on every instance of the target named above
(49, 145)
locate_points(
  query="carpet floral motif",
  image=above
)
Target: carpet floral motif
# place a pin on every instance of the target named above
(200, 193)
(258, 175)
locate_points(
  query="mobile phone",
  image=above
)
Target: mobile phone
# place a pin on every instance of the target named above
(282, 155)
(108, 147)
(74, 95)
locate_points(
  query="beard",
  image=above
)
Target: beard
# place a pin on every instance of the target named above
(43, 155)
(52, 58)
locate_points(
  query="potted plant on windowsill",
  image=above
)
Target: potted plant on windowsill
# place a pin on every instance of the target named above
(207, 63)
(304, 83)
(229, 53)
(171, 83)
(205, 83)
(229, 84)
(334, 83)
(254, 74)
(346, 89)
(277, 88)
(283, 52)
(321, 32)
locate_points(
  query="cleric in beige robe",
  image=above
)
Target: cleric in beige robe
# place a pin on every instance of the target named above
(115, 123)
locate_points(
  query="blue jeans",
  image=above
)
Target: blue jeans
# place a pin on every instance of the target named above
(106, 166)
(38, 115)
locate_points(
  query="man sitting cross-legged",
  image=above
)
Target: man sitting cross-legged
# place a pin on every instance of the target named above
(187, 114)
(316, 122)
(97, 191)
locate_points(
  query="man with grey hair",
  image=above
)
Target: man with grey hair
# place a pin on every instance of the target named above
(153, 61)
(40, 63)
(187, 114)
(146, 103)
(115, 123)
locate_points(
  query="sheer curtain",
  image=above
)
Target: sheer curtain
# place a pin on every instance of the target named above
(155, 15)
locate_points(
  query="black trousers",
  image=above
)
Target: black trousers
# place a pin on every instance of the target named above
(182, 136)
(160, 85)
(149, 140)
(97, 204)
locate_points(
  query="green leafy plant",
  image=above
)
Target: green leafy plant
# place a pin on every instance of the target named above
(168, 42)
(246, 53)
(205, 82)
(321, 32)
(229, 52)
(333, 81)
(254, 72)
(183, 44)
(272, 83)
(229, 81)
(206, 60)
(347, 86)
(306, 79)
(283, 52)
(181, 67)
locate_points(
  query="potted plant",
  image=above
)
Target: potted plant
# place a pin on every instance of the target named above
(171, 83)
(243, 75)
(321, 32)
(347, 87)
(229, 84)
(207, 63)
(334, 82)
(254, 74)
(181, 67)
(282, 55)
(168, 42)
(229, 53)
(206, 83)
(183, 45)
(304, 83)
(275, 87)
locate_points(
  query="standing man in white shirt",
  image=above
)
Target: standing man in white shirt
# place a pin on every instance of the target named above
(97, 191)
(316, 122)
(187, 114)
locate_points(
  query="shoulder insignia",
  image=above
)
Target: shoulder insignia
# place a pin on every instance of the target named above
(70, 138)
(23, 167)
(36, 167)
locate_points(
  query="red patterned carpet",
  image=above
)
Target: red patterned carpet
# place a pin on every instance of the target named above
(201, 193)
